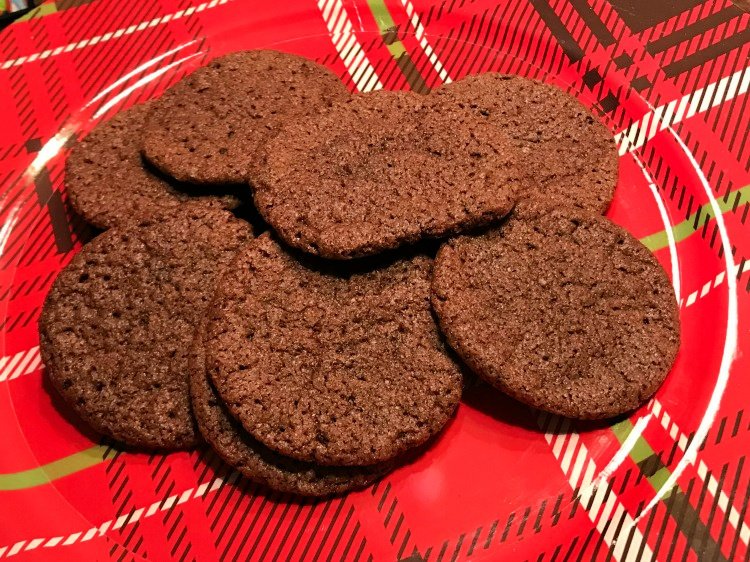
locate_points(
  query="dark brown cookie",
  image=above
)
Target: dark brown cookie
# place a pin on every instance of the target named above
(209, 127)
(108, 185)
(255, 461)
(118, 324)
(561, 309)
(341, 369)
(382, 170)
(568, 156)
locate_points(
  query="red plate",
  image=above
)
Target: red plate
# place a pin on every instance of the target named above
(503, 482)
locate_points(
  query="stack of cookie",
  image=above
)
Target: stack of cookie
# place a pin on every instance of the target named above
(312, 348)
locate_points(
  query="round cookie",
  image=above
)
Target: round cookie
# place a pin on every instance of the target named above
(568, 156)
(331, 367)
(255, 461)
(118, 324)
(382, 170)
(108, 185)
(561, 309)
(209, 127)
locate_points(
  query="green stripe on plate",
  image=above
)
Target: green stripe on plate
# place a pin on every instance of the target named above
(56, 469)
(680, 231)
(381, 14)
(41, 11)
(385, 24)
(640, 452)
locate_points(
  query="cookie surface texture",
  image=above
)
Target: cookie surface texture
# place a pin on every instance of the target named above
(209, 127)
(255, 461)
(566, 154)
(326, 367)
(383, 170)
(108, 184)
(118, 324)
(560, 309)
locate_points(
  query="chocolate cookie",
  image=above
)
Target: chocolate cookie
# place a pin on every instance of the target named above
(561, 309)
(382, 170)
(255, 461)
(107, 183)
(120, 319)
(342, 369)
(568, 155)
(209, 127)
